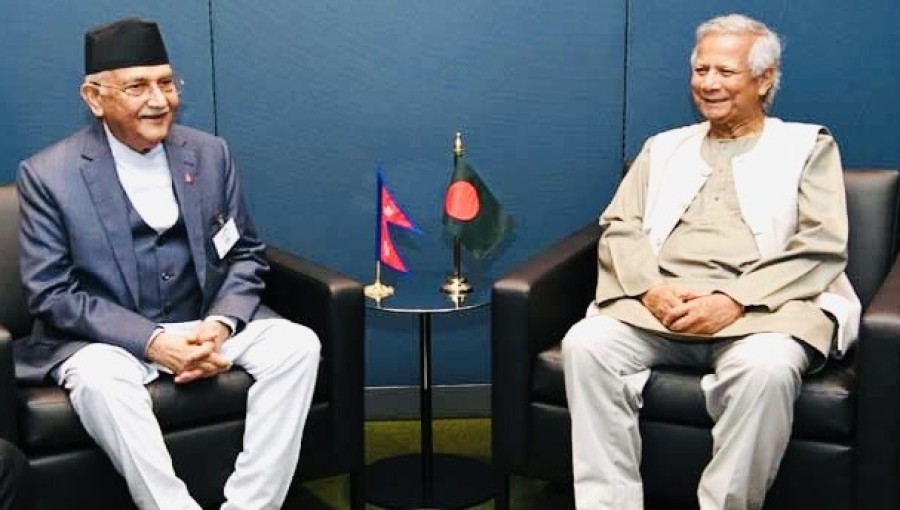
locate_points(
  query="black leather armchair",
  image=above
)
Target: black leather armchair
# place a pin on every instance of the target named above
(845, 445)
(203, 421)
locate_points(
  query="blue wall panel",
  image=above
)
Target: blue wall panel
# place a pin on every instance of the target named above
(43, 66)
(312, 95)
(839, 69)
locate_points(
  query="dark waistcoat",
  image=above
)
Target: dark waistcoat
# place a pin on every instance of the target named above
(169, 289)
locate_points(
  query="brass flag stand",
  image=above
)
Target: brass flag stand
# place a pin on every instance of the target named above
(378, 290)
(456, 284)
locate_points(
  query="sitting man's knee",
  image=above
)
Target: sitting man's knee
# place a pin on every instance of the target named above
(779, 362)
(587, 335)
(577, 337)
(100, 366)
(297, 340)
(773, 373)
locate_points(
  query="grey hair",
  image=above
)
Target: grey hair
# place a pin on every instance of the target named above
(97, 77)
(764, 54)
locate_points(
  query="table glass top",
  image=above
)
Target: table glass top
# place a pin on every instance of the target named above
(417, 292)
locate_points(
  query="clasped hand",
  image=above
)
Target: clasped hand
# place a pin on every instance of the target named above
(194, 355)
(685, 311)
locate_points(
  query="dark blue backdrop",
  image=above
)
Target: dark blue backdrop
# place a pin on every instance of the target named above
(839, 67)
(549, 96)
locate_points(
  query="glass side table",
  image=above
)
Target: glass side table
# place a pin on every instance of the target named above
(428, 479)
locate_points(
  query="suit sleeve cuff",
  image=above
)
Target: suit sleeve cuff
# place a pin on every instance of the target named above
(156, 333)
(230, 322)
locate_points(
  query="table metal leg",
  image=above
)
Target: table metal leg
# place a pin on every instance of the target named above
(425, 422)
(444, 480)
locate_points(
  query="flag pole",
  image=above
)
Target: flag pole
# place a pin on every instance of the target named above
(378, 290)
(455, 283)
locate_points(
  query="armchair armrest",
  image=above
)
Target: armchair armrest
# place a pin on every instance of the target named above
(878, 406)
(332, 305)
(532, 307)
(8, 399)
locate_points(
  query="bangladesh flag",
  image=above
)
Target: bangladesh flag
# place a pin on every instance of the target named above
(471, 212)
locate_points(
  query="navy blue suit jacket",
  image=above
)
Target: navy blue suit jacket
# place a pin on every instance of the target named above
(77, 258)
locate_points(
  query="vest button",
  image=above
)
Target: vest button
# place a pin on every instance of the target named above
(166, 276)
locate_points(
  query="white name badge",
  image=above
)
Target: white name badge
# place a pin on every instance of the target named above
(226, 237)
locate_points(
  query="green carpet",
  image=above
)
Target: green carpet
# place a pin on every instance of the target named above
(470, 437)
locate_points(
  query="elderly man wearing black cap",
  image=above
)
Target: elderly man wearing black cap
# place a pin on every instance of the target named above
(138, 256)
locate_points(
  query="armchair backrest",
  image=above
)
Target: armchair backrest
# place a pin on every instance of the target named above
(13, 311)
(873, 204)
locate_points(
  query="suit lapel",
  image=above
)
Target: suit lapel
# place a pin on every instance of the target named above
(99, 173)
(183, 166)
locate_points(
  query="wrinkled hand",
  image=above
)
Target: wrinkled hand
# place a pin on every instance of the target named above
(192, 356)
(208, 333)
(212, 365)
(662, 298)
(703, 315)
(176, 353)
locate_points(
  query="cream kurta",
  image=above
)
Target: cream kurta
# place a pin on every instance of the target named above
(712, 249)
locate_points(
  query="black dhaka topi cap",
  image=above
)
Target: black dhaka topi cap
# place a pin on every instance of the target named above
(125, 43)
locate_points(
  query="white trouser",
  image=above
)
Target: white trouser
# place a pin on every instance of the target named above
(750, 396)
(106, 388)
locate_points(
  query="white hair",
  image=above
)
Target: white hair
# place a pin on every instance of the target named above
(94, 78)
(764, 54)
(98, 76)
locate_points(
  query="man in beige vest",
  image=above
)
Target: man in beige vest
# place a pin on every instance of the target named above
(724, 249)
